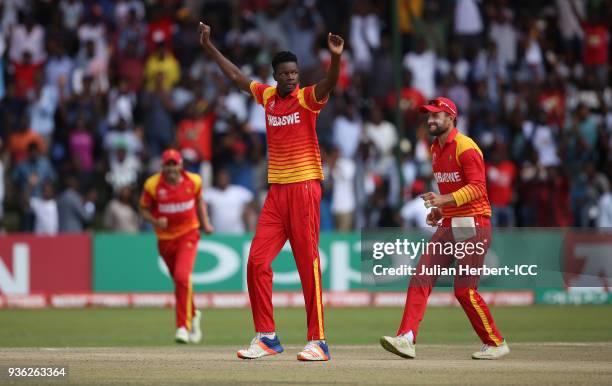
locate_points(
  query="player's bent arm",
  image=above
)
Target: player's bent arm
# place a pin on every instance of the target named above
(229, 69)
(434, 200)
(146, 214)
(447, 200)
(468, 193)
(203, 218)
(325, 86)
(474, 171)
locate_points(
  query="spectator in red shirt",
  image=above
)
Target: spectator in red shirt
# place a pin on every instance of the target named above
(554, 209)
(195, 133)
(129, 64)
(596, 42)
(552, 101)
(501, 174)
(161, 21)
(26, 75)
(410, 101)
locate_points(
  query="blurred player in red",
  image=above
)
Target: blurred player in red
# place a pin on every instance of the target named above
(291, 210)
(172, 202)
(463, 209)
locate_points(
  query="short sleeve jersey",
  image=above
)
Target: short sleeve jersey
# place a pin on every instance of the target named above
(293, 147)
(178, 203)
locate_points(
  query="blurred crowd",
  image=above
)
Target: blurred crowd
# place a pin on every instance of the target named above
(92, 92)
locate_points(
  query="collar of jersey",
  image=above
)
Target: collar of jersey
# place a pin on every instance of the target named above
(292, 94)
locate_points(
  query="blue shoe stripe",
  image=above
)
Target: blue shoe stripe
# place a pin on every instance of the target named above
(325, 348)
(274, 344)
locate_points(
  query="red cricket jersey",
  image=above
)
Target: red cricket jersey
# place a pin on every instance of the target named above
(293, 147)
(178, 203)
(500, 180)
(459, 169)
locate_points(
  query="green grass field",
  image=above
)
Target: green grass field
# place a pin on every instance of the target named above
(549, 345)
(345, 326)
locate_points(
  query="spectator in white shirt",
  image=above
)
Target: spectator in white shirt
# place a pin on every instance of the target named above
(122, 136)
(93, 29)
(383, 135)
(505, 35)
(364, 36)
(124, 169)
(343, 190)
(468, 24)
(455, 64)
(121, 104)
(124, 7)
(42, 110)
(230, 205)
(46, 218)
(422, 65)
(28, 37)
(120, 215)
(10, 11)
(72, 11)
(604, 210)
(543, 140)
(347, 130)
(414, 213)
(569, 23)
(380, 132)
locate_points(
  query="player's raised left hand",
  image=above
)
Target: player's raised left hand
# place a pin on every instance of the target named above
(335, 43)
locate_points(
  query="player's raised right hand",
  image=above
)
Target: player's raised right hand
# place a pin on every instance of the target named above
(204, 30)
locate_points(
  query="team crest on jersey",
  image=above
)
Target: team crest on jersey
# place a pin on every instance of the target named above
(271, 105)
(433, 158)
(162, 193)
(450, 158)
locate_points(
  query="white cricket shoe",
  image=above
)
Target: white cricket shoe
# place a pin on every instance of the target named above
(492, 352)
(182, 335)
(195, 335)
(261, 347)
(314, 351)
(399, 345)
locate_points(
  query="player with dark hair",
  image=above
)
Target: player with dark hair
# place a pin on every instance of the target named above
(462, 213)
(291, 209)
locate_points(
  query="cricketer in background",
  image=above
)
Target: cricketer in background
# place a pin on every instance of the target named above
(172, 202)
